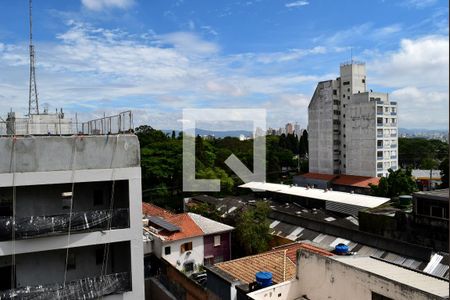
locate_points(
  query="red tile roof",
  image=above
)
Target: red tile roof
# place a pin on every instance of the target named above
(187, 226)
(292, 249)
(153, 210)
(357, 181)
(319, 176)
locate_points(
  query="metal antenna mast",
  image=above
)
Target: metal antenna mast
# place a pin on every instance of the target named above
(33, 103)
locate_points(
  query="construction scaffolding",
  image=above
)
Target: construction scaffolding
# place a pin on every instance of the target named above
(86, 288)
(35, 226)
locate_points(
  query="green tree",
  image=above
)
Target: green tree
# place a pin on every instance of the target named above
(397, 183)
(252, 229)
(206, 210)
(444, 172)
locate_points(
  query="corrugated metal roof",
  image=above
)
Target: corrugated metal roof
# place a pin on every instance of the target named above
(209, 226)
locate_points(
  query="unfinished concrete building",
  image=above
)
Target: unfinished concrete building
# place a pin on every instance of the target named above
(70, 217)
(351, 130)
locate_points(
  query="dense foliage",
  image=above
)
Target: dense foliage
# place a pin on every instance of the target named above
(252, 229)
(161, 162)
(419, 153)
(397, 183)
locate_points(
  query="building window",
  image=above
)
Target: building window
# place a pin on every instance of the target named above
(167, 250)
(376, 296)
(346, 83)
(216, 240)
(379, 154)
(437, 211)
(363, 81)
(348, 89)
(334, 92)
(337, 102)
(98, 197)
(348, 97)
(71, 261)
(189, 267)
(343, 95)
(186, 247)
(336, 112)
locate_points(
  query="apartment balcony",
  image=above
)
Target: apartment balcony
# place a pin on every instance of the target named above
(39, 226)
(380, 135)
(393, 113)
(393, 145)
(379, 169)
(393, 156)
(393, 134)
(380, 158)
(86, 288)
(379, 147)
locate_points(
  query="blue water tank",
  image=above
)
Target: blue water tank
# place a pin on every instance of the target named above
(264, 279)
(341, 249)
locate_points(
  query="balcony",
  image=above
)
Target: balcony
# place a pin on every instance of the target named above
(380, 135)
(379, 146)
(379, 157)
(86, 288)
(393, 134)
(38, 226)
(393, 145)
(393, 156)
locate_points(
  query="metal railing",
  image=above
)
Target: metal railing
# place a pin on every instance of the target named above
(121, 123)
(38, 226)
(86, 288)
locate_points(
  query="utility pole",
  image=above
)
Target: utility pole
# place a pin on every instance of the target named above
(33, 103)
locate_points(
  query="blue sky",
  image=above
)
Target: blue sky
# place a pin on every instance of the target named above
(158, 57)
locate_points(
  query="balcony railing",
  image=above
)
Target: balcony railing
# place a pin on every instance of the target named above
(379, 158)
(86, 288)
(393, 145)
(36, 226)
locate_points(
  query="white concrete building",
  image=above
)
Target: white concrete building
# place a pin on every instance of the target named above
(353, 277)
(75, 202)
(351, 130)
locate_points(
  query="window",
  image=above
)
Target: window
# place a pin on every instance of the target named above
(189, 267)
(336, 102)
(380, 154)
(364, 80)
(167, 250)
(346, 83)
(334, 92)
(376, 296)
(186, 247)
(98, 197)
(71, 261)
(216, 240)
(348, 97)
(348, 89)
(343, 95)
(437, 211)
(380, 143)
(336, 112)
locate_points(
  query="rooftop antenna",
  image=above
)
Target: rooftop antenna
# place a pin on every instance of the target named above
(33, 103)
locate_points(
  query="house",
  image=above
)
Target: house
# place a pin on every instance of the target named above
(352, 277)
(228, 280)
(187, 240)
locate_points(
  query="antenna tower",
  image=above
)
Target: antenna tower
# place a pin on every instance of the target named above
(33, 103)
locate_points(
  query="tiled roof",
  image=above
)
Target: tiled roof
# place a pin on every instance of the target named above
(292, 249)
(209, 226)
(357, 181)
(245, 269)
(156, 211)
(188, 227)
(319, 176)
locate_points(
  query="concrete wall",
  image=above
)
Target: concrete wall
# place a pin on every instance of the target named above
(321, 277)
(55, 153)
(320, 129)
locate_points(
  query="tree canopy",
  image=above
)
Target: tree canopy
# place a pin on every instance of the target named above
(399, 182)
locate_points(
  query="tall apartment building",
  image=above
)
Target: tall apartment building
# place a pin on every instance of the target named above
(70, 217)
(351, 130)
(289, 128)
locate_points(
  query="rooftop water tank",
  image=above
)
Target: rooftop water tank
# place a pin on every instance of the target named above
(341, 249)
(264, 279)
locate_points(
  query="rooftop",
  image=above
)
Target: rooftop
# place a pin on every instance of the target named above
(344, 179)
(244, 269)
(441, 194)
(209, 226)
(319, 176)
(319, 194)
(425, 174)
(429, 284)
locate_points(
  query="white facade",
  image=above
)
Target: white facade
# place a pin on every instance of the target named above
(38, 169)
(351, 130)
(353, 277)
(177, 257)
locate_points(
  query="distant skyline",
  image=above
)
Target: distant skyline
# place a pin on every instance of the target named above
(158, 57)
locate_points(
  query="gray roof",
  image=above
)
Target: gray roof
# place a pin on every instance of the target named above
(441, 194)
(209, 226)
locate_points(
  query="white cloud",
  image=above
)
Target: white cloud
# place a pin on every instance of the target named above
(189, 42)
(98, 5)
(423, 62)
(419, 3)
(296, 4)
